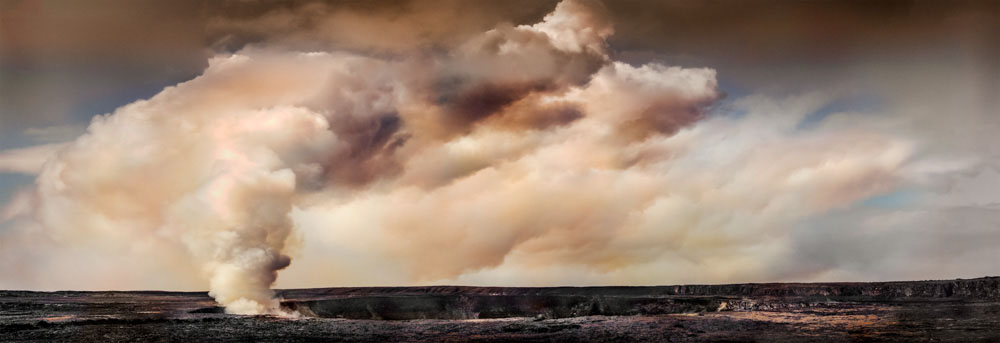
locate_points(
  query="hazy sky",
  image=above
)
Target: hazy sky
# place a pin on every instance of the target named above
(194, 145)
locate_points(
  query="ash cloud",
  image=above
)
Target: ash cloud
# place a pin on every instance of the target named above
(516, 155)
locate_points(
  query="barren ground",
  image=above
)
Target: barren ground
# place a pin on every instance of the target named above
(928, 311)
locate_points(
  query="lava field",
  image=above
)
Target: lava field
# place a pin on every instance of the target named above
(912, 311)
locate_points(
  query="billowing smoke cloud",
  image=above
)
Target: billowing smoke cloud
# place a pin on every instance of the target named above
(524, 154)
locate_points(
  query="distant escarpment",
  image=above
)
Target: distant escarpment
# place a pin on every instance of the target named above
(458, 302)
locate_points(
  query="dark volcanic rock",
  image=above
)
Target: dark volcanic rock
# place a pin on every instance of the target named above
(981, 288)
(955, 310)
(456, 302)
(441, 306)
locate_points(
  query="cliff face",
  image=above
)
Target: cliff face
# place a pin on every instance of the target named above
(980, 288)
(455, 302)
(498, 306)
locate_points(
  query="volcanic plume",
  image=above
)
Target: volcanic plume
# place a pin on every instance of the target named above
(524, 147)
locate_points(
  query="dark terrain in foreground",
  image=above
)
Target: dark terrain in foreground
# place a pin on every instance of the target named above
(918, 311)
